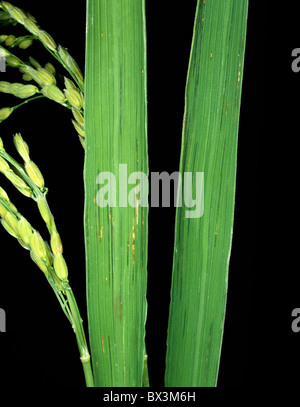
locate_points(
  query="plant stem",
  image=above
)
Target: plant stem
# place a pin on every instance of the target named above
(27, 101)
(87, 369)
(80, 336)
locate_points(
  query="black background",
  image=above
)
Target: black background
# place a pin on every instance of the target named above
(259, 348)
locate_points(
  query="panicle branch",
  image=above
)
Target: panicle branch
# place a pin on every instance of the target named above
(71, 95)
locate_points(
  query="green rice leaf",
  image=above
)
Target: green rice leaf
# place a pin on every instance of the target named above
(116, 235)
(209, 145)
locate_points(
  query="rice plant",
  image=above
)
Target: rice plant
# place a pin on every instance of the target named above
(106, 102)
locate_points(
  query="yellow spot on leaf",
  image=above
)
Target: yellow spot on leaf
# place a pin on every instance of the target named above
(101, 234)
(102, 342)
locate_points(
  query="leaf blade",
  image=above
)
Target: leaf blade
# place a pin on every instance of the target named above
(202, 245)
(116, 237)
